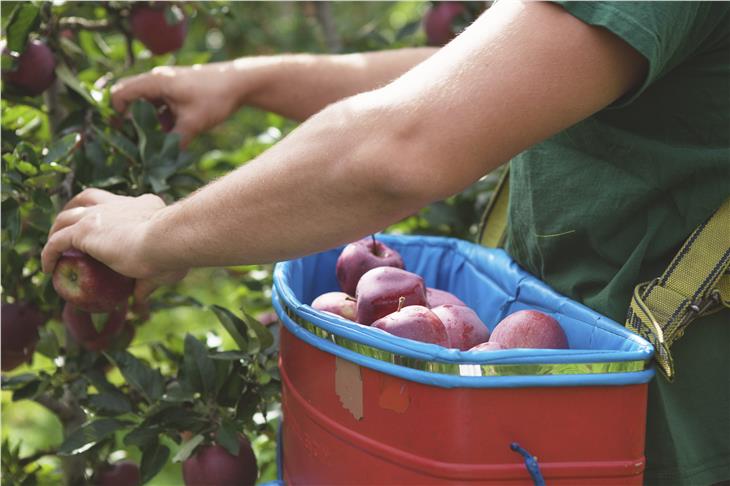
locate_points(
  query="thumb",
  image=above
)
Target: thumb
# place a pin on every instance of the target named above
(144, 287)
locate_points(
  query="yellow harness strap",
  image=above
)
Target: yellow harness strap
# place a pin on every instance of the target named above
(695, 283)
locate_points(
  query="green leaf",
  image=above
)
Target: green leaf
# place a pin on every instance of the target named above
(110, 403)
(62, 148)
(227, 437)
(30, 390)
(187, 448)
(199, 368)
(139, 375)
(69, 79)
(89, 434)
(17, 381)
(154, 458)
(11, 219)
(143, 435)
(229, 356)
(48, 344)
(99, 320)
(233, 325)
(23, 21)
(231, 390)
(262, 333)
(123, 145)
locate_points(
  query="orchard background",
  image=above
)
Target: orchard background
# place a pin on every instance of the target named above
(201, 364)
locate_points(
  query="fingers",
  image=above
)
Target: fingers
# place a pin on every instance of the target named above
(125, 91)
(143, 289)
(91, 197)
(67, 218)
(59, 242)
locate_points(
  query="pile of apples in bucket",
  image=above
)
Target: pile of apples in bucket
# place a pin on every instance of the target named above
(388, 297)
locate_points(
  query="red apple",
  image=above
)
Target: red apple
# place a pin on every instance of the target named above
(20, 323)
(439, 22)
(488, 346)
(379, 290)
(123, 473)
(150, 25)
(212, 465)
(530, 329)
(81, 327)
(415, 322)
(463, 325)
(361, 256)
(438, 297)
(338, 303)
(89, 284)
(34, 71)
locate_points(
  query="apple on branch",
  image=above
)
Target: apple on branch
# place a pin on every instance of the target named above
(359, 257)
(89, 284)
(122, 473)
(213, 465)
(20, 323)
(95, 332)
(34, 71)
(161, 27)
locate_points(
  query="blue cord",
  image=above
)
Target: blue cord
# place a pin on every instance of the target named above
(530, 463)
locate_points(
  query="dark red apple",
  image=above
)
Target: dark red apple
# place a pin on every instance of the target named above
(150, 25)
(80, 325)
(379, 290)
(34, 71)
(463, 325)
(488, 346)
(530, 329)
(438, 297)
(89, 284)
(212, 465)
(338, 303)
(361, 256)
(20, 323)
(439, 22)
(123, 473)
(415, 322)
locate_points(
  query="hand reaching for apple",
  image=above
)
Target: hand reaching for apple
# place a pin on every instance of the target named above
(114, 230)
(198, 97)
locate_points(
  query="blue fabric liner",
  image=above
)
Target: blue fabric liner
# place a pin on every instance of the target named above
(489, 282)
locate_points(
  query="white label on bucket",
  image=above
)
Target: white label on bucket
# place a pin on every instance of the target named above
(470, 370)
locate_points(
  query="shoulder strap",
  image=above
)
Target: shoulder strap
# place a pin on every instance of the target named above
(493, 227)
(695, 283)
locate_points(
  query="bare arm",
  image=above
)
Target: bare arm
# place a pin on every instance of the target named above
(521, 73)
(293, 85)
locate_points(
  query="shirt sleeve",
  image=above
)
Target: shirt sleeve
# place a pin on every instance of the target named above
(665, 33)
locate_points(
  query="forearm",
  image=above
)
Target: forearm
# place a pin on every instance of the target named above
(300, 85)
(327, 183)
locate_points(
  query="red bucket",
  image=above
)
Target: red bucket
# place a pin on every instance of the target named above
(363, 407)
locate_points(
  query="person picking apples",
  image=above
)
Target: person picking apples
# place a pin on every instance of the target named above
(614, 118)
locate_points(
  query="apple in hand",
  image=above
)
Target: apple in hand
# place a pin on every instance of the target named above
(34, 71)
(123, 473)
(89, 284)
(80, 325)
(438, 297)
(488, 346)
(415, 322)
(338, 303)
(463, 325)
(361, 256)
(213, 465)
(379, 290)
(150, 25)
(530, 329)
(439, 22)
(20, 323)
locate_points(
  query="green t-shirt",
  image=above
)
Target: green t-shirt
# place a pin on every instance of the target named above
(607, 203)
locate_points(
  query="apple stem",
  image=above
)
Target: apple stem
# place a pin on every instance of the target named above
(351, 299)
(401, 301)
(375, 246)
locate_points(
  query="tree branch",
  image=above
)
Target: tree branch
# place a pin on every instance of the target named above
(327, 22)
(80, 23)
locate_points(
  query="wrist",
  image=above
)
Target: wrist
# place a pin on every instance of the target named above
(157, 239)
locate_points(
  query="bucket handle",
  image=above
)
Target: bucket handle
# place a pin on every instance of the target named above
(530, 464)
